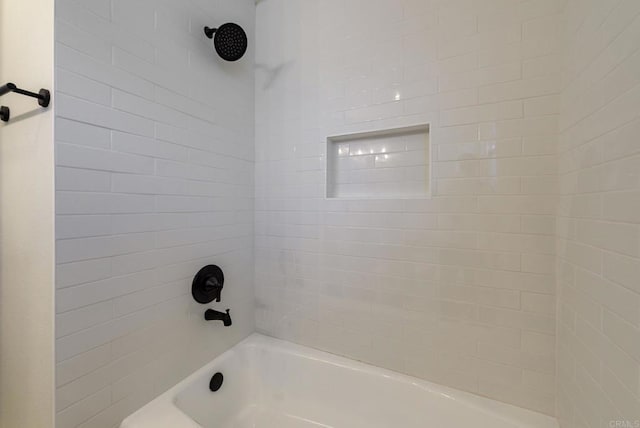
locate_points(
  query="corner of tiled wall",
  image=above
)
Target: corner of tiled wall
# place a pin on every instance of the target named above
(598, 361)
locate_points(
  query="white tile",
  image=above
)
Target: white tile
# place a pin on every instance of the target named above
(72, 226)
(84, 409)
(130, 143)
(83, 134)
(83, 41)
(81, 87)
(622, 270)
(82, 364)
(77, 62)
(103, 203)
(88, 316)
(82, 180)
(71, 250)
(145, 108)
(482, 113)
(83, 111)
(79, 272)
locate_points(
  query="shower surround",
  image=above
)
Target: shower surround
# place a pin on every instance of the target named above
(458, 289)
(169, 159)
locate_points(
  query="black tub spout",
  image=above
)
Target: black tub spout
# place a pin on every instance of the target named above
(211, 315)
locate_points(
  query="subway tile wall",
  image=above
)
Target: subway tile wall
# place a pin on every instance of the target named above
(460, 288)
(154, 179)
(598, 360)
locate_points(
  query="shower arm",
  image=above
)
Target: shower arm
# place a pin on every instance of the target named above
(209, 32)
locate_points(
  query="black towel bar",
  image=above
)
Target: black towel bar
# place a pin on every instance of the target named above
(43, 96)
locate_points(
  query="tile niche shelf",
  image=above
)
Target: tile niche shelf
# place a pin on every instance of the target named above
(386, 164)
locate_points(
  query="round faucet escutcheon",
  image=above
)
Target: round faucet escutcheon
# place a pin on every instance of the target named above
(207, 285)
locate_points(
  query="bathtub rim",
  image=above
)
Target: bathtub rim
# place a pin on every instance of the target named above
(164, 408)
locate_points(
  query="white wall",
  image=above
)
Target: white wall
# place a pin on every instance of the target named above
(599, 220)
(26, 219)
(458, 289)
(154, 162)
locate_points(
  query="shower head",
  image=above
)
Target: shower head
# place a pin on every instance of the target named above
(229, 39)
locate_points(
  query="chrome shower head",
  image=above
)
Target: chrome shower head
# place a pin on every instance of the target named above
(229, 39)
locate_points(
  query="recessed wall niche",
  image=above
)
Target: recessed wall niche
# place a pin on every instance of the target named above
(386, 164)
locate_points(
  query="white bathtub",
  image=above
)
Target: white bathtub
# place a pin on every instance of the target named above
(269, 383)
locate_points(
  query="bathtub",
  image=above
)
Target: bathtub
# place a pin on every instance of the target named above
(269, 383)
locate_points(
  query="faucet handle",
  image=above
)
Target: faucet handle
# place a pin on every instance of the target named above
(213, 287)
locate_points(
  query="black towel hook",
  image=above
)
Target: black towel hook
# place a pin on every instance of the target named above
(43, 96)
